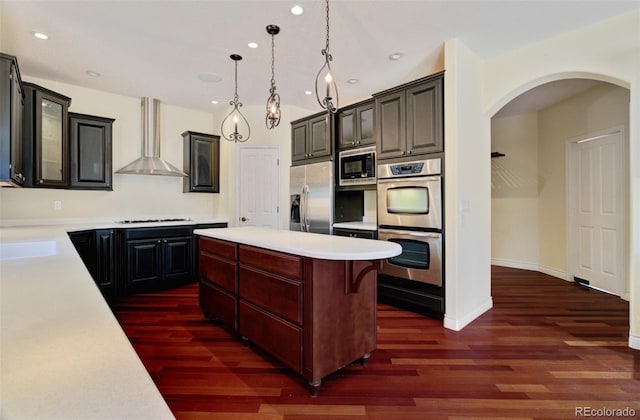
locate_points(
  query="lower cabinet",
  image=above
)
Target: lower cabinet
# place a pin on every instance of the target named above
(97, 251)
(156, 258)
(218, 288)
(301, 310)
(136, 260)
(105, 275)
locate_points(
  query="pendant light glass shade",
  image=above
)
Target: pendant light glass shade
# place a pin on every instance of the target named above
(235, 126)
(273, 103)
(326, 87)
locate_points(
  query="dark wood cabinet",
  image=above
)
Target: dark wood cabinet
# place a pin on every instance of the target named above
(356, 125)
(218, 281)
(299, 309)
(46, 138)
(312, 139)
(11, 110)
(409, 119)
(201, 161)
(128, 261)
(105, 273)
(90, 152)
(156, 258)
(97, 251)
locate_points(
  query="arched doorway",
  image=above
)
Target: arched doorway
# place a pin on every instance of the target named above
(529, 192)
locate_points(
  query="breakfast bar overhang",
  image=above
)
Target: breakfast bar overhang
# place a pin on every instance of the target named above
(307, 299)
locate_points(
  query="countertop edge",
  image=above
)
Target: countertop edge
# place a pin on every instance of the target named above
(306, 244)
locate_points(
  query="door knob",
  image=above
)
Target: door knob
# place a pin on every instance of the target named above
(243, 219)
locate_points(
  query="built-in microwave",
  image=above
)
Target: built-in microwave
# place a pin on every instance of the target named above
(358, 166)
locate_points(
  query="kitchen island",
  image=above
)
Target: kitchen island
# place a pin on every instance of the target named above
(307, 299)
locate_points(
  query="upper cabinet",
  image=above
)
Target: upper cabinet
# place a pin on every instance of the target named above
(201, 162)
(90, 157)
(11, 109)
(312, 139)
(46, 137)
(356, 125)
(409, 119)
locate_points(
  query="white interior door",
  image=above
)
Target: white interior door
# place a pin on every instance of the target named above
(596, 210)
(259, 182)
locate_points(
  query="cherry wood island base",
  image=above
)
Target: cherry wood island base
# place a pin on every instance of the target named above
(314, 315)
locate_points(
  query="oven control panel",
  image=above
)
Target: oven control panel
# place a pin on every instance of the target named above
(407, 168)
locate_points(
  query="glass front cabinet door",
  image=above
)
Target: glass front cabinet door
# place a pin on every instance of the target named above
(49, 129)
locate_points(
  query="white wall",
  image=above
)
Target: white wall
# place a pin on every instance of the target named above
(132, 195)
(467, 183)
(608, 51)
(514, 191)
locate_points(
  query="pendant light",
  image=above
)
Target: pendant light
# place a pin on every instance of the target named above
(235, 126)
(273, 103)
(325, 81)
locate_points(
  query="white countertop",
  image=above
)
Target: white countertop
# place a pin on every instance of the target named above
(356, 225)
(314, 245)
(62, 352)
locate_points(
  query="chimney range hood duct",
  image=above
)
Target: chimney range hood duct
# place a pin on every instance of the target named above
(150, 162)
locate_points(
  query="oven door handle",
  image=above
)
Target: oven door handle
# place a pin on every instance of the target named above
(410, 179)
(409, 233)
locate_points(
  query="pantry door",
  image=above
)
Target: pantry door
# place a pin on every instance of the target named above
(259, 186)
(596, 210)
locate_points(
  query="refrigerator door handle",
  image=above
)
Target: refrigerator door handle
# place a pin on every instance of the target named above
(305, 219)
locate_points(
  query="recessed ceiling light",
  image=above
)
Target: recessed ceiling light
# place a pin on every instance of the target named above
(395, 56)
(252, 45)
(92, 73)
(209, 77)
(352, 81)
(297, 10)
(307, 92)
(214, 102)
(40, 35)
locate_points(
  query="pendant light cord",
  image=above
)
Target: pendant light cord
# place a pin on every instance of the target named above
(273, 59)
(326, 48)
(235, 94)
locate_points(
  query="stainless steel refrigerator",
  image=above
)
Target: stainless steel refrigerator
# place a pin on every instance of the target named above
(311, 197)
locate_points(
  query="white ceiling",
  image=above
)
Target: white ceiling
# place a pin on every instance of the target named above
(158, 48)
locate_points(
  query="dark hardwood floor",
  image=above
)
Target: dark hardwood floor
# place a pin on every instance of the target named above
(546, 349)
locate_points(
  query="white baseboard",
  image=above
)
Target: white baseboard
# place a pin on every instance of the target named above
(530, 266)
(458, 324)
(634, 341)
(554, 273)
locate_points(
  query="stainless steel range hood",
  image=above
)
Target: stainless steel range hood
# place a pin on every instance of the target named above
(150, 163)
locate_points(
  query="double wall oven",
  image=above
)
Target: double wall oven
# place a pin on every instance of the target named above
(410, 214)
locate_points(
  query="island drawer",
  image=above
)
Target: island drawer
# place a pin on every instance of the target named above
(218, 271)
(218, 247)
(276, 294)
(274, 335)
(274, 262)
(220, 304)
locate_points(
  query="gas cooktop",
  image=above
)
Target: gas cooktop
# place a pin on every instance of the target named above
(153, 220)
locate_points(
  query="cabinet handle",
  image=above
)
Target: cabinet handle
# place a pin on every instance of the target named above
(165, 241)
(404, 153)
(410, 151)
(41, 181)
